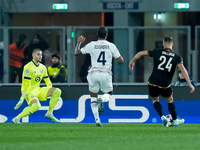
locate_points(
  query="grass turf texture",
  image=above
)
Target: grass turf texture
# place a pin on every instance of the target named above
(85, 136)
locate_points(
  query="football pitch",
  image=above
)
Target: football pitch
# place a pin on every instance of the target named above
(86, 136)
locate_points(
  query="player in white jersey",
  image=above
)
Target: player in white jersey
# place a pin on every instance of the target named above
(99, 75)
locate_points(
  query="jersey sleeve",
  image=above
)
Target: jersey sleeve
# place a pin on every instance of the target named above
(48, 82)
(180, 60)
(115, 51)
(48, 70)
(45, 75)
(151, 52)
(85, 49)
(26, 80)
(46, 78)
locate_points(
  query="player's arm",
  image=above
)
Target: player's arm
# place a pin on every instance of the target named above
(136, 57)
(115, 53)
(81, 39)
(186, 76)
(46, 78)
(47, 81)
(120, 59)
(25, 86)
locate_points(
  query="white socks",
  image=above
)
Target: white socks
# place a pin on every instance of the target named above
(106, 97)
(94, 107)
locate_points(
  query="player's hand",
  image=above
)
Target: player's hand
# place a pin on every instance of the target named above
(192, 88)
(20, 102)
(131, 65)
(81, 39)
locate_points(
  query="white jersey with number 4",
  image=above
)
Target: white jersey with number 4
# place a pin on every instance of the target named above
(101, 53)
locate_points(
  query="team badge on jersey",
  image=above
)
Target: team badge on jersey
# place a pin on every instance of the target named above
(32, 96)
(41, 70)
(27, 71)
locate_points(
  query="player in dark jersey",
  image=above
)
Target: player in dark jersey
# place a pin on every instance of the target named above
(159, 83)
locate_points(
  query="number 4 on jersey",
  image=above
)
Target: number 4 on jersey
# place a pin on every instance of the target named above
(101, 58)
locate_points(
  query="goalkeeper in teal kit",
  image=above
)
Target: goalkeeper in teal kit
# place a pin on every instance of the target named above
(33, 73)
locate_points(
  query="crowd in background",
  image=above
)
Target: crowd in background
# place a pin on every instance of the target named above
(20, 54)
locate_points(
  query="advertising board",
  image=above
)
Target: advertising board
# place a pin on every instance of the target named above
(127, 107)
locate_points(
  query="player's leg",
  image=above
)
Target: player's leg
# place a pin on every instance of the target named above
(172, 107)
(93, 90)
(34, 105)
(55, 94)
(172, 110)
(154, 94)
(107, 88)
(158, 108)
(94, 107)
(104, 98)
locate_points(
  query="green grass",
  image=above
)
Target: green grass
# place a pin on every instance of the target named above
(85, 136)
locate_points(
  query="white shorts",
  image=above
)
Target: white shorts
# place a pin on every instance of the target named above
(100, 81)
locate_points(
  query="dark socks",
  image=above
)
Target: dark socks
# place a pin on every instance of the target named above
(158, 108)
(172, 110)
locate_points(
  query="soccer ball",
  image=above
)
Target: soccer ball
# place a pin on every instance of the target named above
(170, 120)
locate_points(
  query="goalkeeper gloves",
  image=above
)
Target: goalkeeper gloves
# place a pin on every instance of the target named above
(20, 102)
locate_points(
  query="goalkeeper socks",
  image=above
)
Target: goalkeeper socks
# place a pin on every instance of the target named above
(54, 100)
(172, 110)
(29, 110)
(158, 108)
(94, 107)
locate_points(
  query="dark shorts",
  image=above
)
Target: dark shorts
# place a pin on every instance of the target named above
(156, 91)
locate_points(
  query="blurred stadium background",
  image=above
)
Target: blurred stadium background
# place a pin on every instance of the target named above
(134, 25)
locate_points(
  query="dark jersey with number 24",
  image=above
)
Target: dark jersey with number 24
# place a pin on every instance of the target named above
(165, 62)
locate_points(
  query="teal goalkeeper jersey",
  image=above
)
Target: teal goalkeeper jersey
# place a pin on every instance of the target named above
(33, 75)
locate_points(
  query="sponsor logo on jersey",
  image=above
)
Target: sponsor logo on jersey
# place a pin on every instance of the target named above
(37, 79)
